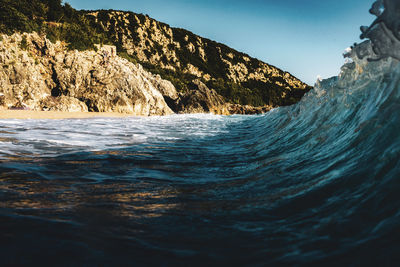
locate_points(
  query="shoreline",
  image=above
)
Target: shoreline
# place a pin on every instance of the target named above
(57, 115)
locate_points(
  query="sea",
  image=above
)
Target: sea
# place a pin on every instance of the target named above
(313, 184)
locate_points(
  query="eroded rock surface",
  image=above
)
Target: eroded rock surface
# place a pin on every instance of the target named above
(40, 75)
(180, 51)
(201, 99)
(36, 74)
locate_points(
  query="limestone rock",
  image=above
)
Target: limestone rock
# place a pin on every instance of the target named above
(182, 52)
(46, 76)
(247, 110)
(201, 99)
(166, 88)
(62, 103)
(2, 101)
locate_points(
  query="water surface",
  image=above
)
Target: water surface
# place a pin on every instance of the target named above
(316, 183)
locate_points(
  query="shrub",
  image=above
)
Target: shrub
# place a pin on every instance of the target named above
(24, 43)
(128, 57)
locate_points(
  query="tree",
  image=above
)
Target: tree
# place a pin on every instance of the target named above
(55, 11)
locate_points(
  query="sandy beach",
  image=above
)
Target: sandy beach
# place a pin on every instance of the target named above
(28, 114)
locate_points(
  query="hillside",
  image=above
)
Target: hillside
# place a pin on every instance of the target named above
(176, 54)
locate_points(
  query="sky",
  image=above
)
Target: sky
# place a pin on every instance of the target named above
(304, 37)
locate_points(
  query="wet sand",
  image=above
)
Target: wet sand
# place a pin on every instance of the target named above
(56, 115)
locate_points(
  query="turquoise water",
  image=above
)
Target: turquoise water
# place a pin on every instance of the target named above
(317, 182)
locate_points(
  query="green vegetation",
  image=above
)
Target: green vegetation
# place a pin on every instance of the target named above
(128, 57)
(178, 78)
(24, 44)
(82, 31)
(50, 17)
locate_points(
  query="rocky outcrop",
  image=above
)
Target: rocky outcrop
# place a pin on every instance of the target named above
(247, 110)
(201, 99)
(177, 55)
(151, 41)
(39, 75)
(62, 103)
(36, 74)
(190, 57)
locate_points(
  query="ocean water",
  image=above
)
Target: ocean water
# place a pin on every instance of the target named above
(314, 183)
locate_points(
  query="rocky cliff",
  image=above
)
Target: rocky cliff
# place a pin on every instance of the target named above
(68, 62)
(181, 56)
(36, 74)
(39, 75)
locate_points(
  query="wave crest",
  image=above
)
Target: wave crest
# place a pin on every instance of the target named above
(383, 34)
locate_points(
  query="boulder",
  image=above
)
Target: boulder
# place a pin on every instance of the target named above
(201, 99)
(62, 103)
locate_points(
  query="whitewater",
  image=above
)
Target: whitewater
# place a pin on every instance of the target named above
(313, 183)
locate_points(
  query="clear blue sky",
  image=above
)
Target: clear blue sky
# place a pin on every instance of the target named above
(304, 37)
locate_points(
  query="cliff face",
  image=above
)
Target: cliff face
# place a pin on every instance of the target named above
(65, 65)
(40, 75)
(182, 56)
(36, 74)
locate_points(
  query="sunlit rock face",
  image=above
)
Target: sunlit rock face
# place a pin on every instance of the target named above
(201, 99)
(39, 75)
(162, 47)
(46, 75)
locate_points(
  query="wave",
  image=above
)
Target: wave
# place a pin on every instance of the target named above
(316, 182)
